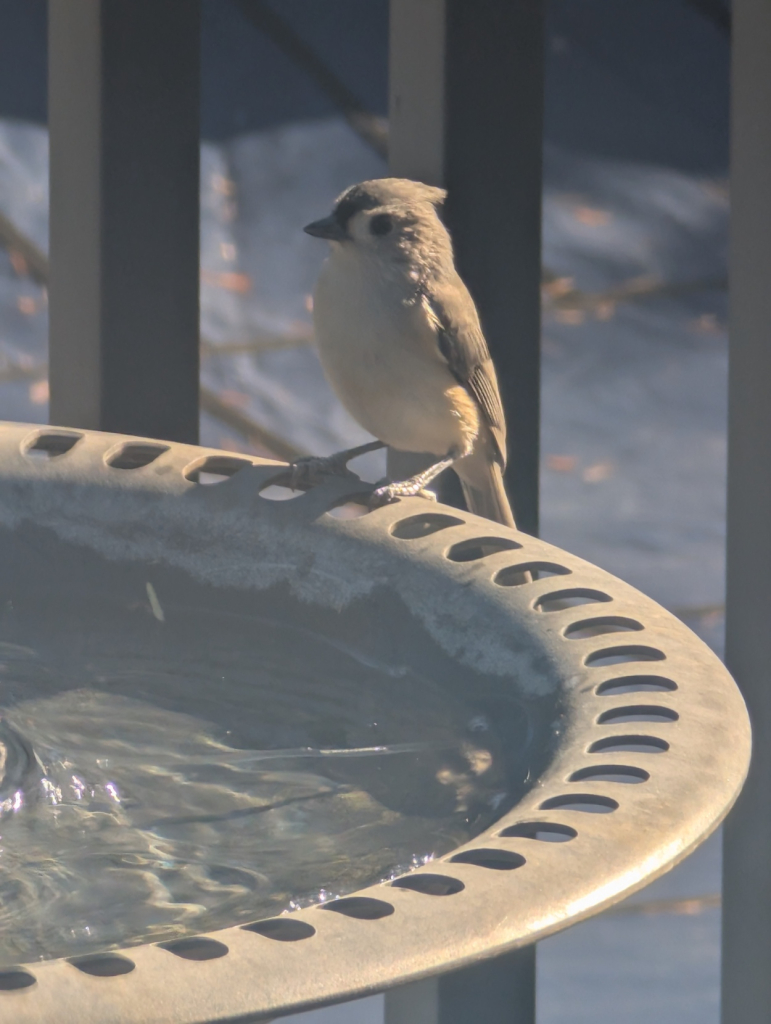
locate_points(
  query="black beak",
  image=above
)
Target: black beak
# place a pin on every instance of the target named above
(328, 227)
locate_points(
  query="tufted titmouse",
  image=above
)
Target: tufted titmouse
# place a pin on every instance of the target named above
(401, 344)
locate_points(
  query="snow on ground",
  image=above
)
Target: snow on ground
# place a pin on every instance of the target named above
(634, 419)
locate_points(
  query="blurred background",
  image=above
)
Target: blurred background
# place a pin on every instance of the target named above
(635, 217)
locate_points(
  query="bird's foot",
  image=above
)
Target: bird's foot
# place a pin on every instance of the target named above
(313, 470)
(388, 493)
(414, 487)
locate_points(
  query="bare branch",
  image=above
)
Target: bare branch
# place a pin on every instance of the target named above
(38, 267)
(14, 241)
(560, 292)
(11, 372)
(262, 343)
(368, 126)
(239, 421)
(684, 905)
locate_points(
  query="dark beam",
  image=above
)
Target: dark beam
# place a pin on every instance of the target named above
(123, 120)
(493, 169)
(466, 112)
(500, 991)
(747, 845)
(368, 126)
(716, 11)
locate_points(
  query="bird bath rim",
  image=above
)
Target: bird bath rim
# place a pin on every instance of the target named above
(644, 701)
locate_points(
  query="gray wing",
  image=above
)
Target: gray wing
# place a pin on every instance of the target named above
(463, 345)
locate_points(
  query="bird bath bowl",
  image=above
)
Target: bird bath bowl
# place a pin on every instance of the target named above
(263, 755)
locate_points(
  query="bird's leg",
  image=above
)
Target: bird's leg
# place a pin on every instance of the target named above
(415, 486)
(310, 471)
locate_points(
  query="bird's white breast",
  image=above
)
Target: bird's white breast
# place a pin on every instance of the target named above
(378, 347)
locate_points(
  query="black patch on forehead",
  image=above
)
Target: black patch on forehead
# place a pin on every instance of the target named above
(354, 200)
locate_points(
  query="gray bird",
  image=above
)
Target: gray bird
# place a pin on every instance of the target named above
(401, 344)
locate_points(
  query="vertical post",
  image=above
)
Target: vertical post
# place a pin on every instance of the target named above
(493, 172)
(124, 137)
(747, 846)
(466, 112)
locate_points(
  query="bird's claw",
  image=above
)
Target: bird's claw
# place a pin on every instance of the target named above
(313, 470)
(389, 493)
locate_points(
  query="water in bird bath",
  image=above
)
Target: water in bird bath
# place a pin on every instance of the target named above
(175, 761)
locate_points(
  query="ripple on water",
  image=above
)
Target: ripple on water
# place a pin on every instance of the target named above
(130, 822)
(236, 758)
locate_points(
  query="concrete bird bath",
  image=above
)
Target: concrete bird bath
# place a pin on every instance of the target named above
(275, 754)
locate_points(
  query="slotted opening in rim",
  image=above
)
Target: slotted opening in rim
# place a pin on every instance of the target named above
(281, 929)
(349, 508)
(636, 744)
(639, 713)
(570, 598)
(480, 547)
(541, 831)
(599, 625)
(364, 908)
(423, 525)
(588, 803)
(51, 444)
(635, 684)
(624, 773)
(14, 979)
(430, 885)
(135, 456)
(497, 860)
(108, 965)
(620, 655)
(528, 572)
(277, 492)
(215, 469)
(196, 948)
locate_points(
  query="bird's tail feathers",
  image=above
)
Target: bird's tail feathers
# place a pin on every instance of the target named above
(482, 482)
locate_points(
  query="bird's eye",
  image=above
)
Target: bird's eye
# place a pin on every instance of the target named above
(381, 224)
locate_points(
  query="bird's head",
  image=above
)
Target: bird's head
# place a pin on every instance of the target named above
(387, 218)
